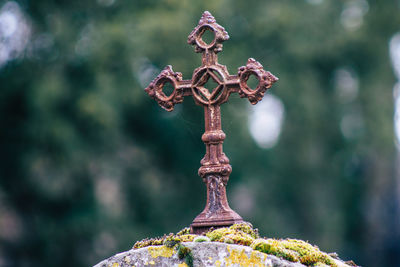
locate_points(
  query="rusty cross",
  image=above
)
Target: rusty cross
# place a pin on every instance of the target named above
(215, 168)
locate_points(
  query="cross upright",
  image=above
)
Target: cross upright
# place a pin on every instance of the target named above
(215, 168)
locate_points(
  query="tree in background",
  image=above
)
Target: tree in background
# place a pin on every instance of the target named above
(90, 164)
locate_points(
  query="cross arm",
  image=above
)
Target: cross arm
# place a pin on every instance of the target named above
(238, 83)
(181, 88)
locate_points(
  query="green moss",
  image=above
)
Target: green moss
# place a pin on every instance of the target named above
(168, 240)
(246, 228)
(171, 240)
(293, 250)
(228, 240)
(185, 253)
(201, 239)
(187, 238)
(243, 234)
(235, 234)
(184, 231)
(158, 241)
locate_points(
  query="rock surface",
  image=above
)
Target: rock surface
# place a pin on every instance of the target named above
(202, 254)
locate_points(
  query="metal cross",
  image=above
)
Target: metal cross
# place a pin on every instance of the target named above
(215, 167)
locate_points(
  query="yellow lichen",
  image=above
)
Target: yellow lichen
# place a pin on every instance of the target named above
(115, 264)
(293, 250)
(184, 231)
(162, 251)
(149, 242)
(245, 228)
(182, 265)
(187, 238)
(231, 236)
(217, 263)
(242, 234)
(240, 257)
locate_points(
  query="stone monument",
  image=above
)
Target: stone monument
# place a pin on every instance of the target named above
(218, 236)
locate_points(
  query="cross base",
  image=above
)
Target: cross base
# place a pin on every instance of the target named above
(202, 224)
(217, 212)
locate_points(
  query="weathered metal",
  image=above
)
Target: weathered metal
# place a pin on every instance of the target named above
(215, 168)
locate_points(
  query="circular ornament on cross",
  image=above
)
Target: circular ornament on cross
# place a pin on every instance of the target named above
(265, 81)
(156, 89)
(208, 86)
(197, 36)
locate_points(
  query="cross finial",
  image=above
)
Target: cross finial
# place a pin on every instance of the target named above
(215, 168)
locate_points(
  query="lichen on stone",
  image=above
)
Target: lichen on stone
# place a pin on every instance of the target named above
(158, 241)
(187, 238)
(293, 250)
(231, 235)
(237, 257)
(168, 240)
(184, 231)
(161, 251)
(246, 228)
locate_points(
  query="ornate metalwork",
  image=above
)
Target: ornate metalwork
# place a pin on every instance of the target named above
(215, 168)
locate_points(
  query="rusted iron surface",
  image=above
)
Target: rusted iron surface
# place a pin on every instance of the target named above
(215, 168)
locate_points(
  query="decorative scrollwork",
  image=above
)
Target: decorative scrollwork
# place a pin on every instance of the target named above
(223, 170)
(265, 81)
(208, 22)
(209, 96)
(155, 89)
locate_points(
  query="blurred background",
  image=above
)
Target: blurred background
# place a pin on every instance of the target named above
(89, 164)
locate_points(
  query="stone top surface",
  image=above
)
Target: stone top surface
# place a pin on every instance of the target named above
(198, 254)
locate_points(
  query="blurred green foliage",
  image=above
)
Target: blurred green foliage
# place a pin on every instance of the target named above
(90, 164)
